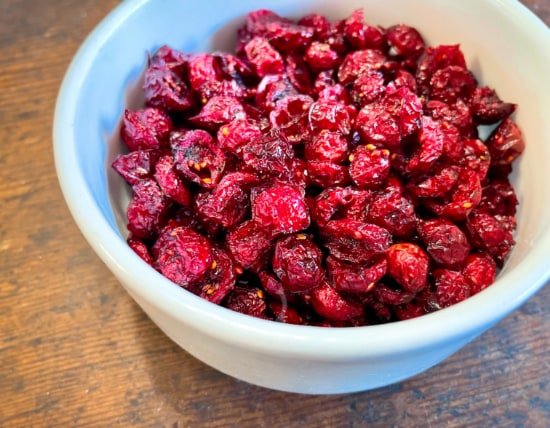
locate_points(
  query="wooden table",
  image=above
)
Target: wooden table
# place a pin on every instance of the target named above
(75, 349)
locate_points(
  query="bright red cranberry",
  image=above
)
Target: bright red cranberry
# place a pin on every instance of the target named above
(263, 57)
(330, 304)
(445, 242)
(281, 209)
(326, 146)
(499, 198)
(172, 186)
(137, 166)
(354, 241)
(437, 185)
(320, 56)
(490, 235)
(148, 128)
(218, 111)
(436, 58)
(369, 167)
(182, 255)
(329, 116)
(235, 134)
(166, 89)
(450, 287)
(480, 271)
(249, 244)
(361, 35)
(409, 265)
(327, 174)
(140, 249)
(197, 158)
(355, 278)
(505, 143)
(146, 210)
(487, 107)
(395, 212)
(405, 41)
(451, 83)
(358, 62)
(368, 87)
(290, 117)
(297, 263)
(268, 156)
(247, 301)
(476, 157)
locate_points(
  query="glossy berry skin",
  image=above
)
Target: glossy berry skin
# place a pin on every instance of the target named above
(219, 279)
(170, 183)
(297, 263)
(369, 167)
(326, 146)
(505, 143)
(146, 210)
(148, 128)
(450, 287)
(445, 242)
(405, 41)
(281, 209)
(247, 301)
(138, 165)
(328, 303)
(353, 278)
(264, 58)
(165, 89)
(409, 265)
(480, 271)
(249, 245)
(353, 241)
(183, 255)
(395, 212)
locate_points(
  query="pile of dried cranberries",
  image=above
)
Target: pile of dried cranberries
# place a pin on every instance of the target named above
(326, 174)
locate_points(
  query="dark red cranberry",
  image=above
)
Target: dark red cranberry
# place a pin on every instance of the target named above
(445, 242)
(450, 287)
(480, 271)
(409, 265)
(355, 278)
(330, 304)
(148, 128)
(405, 41)
(369, 167)
(146, 210)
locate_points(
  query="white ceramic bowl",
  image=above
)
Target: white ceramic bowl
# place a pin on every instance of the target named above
(506, 46)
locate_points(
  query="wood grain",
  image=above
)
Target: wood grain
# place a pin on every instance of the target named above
(76, 351)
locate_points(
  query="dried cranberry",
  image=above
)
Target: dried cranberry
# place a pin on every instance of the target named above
(390, 296)
(480, 271)
(219, 280)
(336, 93)
(281, 209)
(165, 89)
(432, 139)
(358, 62)
(320, 56)
(451, 83)
(272, 89)
(408, 264)
(171, 58)
(476, 157)
(368, 87)
(487, 107)
(490, 235)
(297, 263)
(268, 156)
(319, 24)
(171, 185)
(450, 287)
(146, 210)
(298, 74)
(182, 255)
(226, 205)
(234, 135)
(326, 146)
(290, 117)
(285, 313)
(340, 202)
(395, 212)
(370, 167)
(403, 79)
(249, 244)
(361, 35)
(437, 185)
(197, 158)
(505, 143)
(330, 304)
(140, 249)
(327, 174)
(405, 41)
(445, 242)
(210, 75)
(398, 114)
(330, 116)
(248, 301)
(457, 114)
(275, 288)
(355, 241)
(137, 166)
(355, 278)
(436, 58)
(499, 198)
(148, 128)
(218, 111)
(263, 57)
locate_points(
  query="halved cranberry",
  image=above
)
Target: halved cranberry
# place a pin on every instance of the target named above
(452, 83)
(290, 117)
(436, 58)
(263, 57)
(171, 185)
(166, 89)
(368, 87)
(490, 235)
(219, 280)
(137, 166)
(355, 241)
(272, 89)
(505, 143)
(141, 250)
(355, 278)
(268, 156)
(146, 210)
(320, 56)
(197, 158)
(218, 111)
(247, 301)
(235, 134)
(487, 107)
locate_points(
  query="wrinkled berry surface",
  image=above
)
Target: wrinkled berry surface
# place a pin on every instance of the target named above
(326, 173)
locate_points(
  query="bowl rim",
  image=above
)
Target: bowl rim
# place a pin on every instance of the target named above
(315, 343)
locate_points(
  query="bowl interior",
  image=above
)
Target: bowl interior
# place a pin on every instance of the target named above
(495, 36)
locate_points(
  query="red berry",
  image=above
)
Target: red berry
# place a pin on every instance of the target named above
(370, 167)
(445, 242)
(450, 287)
(480, 271)
(408, 264)
(148, 128)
